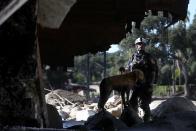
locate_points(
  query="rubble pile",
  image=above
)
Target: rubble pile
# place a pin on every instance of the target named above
(71, 105)
(60, 96)
(116, 118)
(173, 105)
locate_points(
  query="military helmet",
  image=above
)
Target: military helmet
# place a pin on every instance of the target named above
(140, 40)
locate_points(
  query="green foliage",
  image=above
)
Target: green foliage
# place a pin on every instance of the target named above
(166, 44)
(165, 90)
(177, 37)
(117, 60)
(80, 67)
(192, 36)
(177, 73)
(165, 69)
(193, 67)
(96, 63)
(79, 78)
(127, 43)
(192, 72)
(154, 25)
(161, 90)
(165, 74)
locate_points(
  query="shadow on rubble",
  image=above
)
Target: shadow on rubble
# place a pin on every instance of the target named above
(104, 120)
(175, 114)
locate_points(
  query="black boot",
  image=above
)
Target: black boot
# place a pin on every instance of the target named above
(147, 114)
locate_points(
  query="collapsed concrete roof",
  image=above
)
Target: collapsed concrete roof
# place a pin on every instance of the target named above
(8, 8)
(92, 26)
(67, 28)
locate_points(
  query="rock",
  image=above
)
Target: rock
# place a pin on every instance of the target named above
(103, 120)
(67, 109)
(73, 112)
(59, 96)
(91, 106)
(54, 118)
(154, 104)
(130, 117)
(180, 121)
(116, 111)
(63, 114)
(171, 105)
(83, 115)
(112, 101)
(64, 111)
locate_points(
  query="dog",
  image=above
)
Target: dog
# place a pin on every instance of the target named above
(122, 83)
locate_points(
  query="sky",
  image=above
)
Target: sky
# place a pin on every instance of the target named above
(191, 9)
(113, 48)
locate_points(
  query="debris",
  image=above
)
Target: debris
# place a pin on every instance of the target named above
(116, 111)
(83, 115)
(104, 121)
(172, 105)
(58, 96)
(130, 117)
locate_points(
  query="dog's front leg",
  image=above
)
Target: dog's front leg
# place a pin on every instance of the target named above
(127, 95)
(104, 95)
(123, 98)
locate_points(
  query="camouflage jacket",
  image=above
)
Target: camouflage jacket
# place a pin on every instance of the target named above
(145, 62)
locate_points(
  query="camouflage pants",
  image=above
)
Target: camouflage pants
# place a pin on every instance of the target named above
(143, 95)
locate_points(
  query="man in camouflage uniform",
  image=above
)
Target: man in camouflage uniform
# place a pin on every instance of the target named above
(143, 91)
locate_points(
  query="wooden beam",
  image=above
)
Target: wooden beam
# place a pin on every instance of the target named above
(10, 9)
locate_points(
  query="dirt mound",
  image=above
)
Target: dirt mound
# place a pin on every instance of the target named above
(172, 105)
